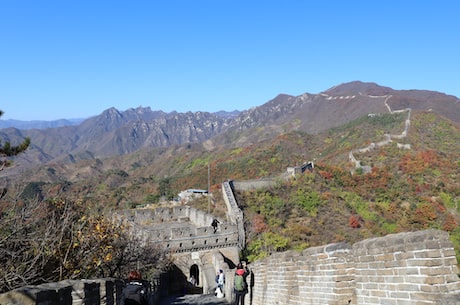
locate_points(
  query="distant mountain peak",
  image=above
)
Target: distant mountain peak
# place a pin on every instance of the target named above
(356, 87)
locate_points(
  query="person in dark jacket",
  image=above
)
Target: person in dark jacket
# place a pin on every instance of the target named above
(214, 224)
(135, 292)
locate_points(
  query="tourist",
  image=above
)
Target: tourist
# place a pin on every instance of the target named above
(240, 286)
(214, 224)
(221, 280)
(135, 292)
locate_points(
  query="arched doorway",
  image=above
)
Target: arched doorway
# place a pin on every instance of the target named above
(194, 280)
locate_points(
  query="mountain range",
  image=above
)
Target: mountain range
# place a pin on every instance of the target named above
(385, 161)
(115, 133)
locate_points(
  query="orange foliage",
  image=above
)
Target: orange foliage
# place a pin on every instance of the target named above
(416, 164)
(450, 223)
(325, 174)
(425, 213)
(355, 221)
(326, 195)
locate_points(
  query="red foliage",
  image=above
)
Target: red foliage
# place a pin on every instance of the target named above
(355, 221)
(449, 224)
(416, 164)
(325, 174)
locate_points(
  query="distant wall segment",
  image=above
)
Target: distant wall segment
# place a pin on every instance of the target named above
(417, 268)
(235, 214)
(160, 215)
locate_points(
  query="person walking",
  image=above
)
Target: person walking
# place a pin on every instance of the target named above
(240, 286)
(135, 292)
(214, 224)
(220, 283)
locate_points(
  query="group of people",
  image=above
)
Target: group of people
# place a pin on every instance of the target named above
(136, 290)
(240, 284)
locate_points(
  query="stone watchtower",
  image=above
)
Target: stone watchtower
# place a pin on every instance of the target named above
(198, 250)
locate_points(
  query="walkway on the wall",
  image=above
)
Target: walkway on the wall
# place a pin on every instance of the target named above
(387, 137)
(193, 299)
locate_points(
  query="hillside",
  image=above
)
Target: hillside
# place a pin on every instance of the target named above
(412, 183)
(408, 189)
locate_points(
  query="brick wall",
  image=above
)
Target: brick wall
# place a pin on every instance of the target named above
(417, 268)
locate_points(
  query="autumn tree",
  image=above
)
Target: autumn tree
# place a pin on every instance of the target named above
(7, 150)
(48, 241)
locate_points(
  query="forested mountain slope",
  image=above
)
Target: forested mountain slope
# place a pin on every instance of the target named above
(412, 183)
(407, 189)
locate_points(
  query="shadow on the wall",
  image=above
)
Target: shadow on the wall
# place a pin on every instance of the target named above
(229, 262)
(251, 286)
(176, 282)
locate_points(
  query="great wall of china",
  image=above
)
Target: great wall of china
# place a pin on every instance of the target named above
(388, 138)
(413, 268)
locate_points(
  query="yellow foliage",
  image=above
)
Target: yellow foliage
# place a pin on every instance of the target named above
(108, 257)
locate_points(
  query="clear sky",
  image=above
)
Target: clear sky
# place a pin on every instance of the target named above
(74, 59)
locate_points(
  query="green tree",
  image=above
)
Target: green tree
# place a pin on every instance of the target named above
(267, 243)
(164, 188)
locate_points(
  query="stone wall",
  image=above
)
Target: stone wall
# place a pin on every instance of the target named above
(182, 214)
(235, 215)
(197, 243)
(75, 292)
(248, 185)
(69, 292)
(417, 268)
(180, 228)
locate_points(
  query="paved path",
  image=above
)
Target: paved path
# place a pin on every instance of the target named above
(193, 299)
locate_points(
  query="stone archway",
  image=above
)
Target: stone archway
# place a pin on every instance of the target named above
(195, 285)
(195, 273)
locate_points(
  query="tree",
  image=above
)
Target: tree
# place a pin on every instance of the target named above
(6, 150)
(48, 241)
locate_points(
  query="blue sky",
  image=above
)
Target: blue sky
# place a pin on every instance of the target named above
(74, 59)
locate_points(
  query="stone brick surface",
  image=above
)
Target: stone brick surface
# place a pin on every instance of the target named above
(415, 268)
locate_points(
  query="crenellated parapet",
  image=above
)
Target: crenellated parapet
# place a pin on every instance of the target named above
(180, 228)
